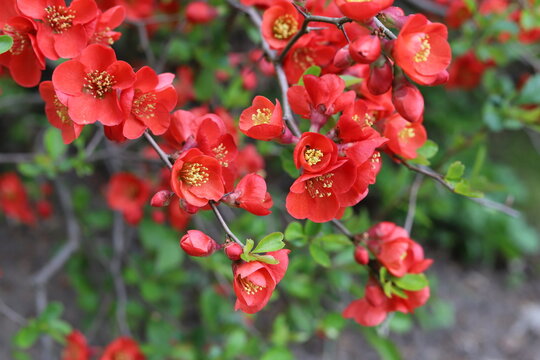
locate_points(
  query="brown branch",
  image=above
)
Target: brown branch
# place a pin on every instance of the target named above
(413, 195)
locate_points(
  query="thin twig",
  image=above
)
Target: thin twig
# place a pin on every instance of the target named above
(224, 225)
(413, 195)
(145, 41)
(384, 29)
(164, 157)
(288, 115)
(11, 314)
(482, 201)
(341, 227)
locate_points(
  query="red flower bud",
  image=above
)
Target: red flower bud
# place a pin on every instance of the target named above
(407, 100)
(361, 255)
(233, 251)
(343, 58)
(365, 49)
(199, 12)
(380, 77)
(44, 209)
(394, 16)
(161, 198)
(197, 243)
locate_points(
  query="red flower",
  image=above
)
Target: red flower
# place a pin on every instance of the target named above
(249, 161)
(404, 137)
(214, 140)
(123, 348)
(91, 83)
(57, 113)
(314, 153)
(199, 12)
(148, 103)
(250, 194)
(356, 123)
(407, 99)
(63, 31)
(319, 98)
(280, 23)
(178, 217)
(302, 56)
(316, 196)
(106, 21)
(76, 347)
(422, 50)
(371, 310)
(128, 194)
(466, 71)
(262, 120)
(366, 48)
(255, 281)
(24, 60)
(197, 243)
(362, 10)
(197, 178)
(14, 200)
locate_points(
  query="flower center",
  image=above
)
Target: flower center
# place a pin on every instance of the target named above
(194, 174)
(144, 105)
(375, 159)
(303, 57)
(313, 156)
(102, 37)
(284, 27)
(61, 111)
(19, 40)
(220, 152)
(98, 83)
(406, 133)
(318, 187)
(262, 116)
(59, 18)
(249, 287)
(425, 50)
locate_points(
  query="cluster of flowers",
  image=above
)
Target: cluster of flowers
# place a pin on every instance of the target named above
(77, 348)
(390, 247)
(15, 202)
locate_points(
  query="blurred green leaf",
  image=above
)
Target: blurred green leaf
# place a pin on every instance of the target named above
(312, 70)
(319, 255)
(6, 42)
(53, 143)
(271, 242)
(411, 282)
(455, 171)
(386, 349)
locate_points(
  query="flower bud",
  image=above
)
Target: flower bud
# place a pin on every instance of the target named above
(365, 49)
(343, 58)
(199, 12)
(407, 99)
(197, 243)
(380, 77)
(161, 198)
(361, 255)
(233, 251)
(393, 16)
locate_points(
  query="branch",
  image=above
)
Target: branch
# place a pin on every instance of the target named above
(482, 201)
(11, 314)
(116, 271)
(74, 238)
(412, 202)
(16, 158)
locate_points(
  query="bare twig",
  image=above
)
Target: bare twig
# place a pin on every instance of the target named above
(73, 233)
(341, 227)
(224, 225)
(288, 115)
(482, 201)
(145, 41)
(116, 271)
(164, 157)
(413, 195)
(384, 29)
(16, 158)
(94, 142)
(11, 314)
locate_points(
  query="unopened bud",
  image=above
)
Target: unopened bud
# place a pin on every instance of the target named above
(407, 99)
(380, 76)
(197, 243)
(199, 12)
(343, 58)
(233, 251)
(361, 255)
(365, 49)
(161, 198)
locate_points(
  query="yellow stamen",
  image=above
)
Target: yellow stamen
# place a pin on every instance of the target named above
(194, 174)
(425, 50)
(313, 156)
(284, 27)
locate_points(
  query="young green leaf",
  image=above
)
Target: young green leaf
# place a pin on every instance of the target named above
(319, 255)
(271, 242)
(455, 171)
(312, 70)
(412, 282)
(6, 42)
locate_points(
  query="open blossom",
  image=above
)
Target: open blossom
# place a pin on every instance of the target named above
(24, 60)
(197, 243)
(319, 98)
(356, 123)
(200, 12)
(315, 152)
(262, 120)
(281, 22)
(148, 103)
(362, 10)
(214, 139)
(90, 83)
(64, 30)
(255, 281)
(197, 178)
(14, 199)
(250, 194)
(123, 348)
(404, 137)
(304, 55)
(57, 113)
(105, 23)
(128, 194)
(76, 347)
(422, 50)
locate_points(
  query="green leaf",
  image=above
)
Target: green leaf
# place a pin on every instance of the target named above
(464, 188)
(269, 259)
(169, 256)
(387, 288)
(249, 245)
(429, 149)
(383, 272)
(319, 255)
(455, 171)
(27, 336)
(312, 70)
(271, 242)
(530, 93)
(339, 239)
(351, 80)
(53, 143)
(278, 353)
(386, 349)
(6, 42)
(312, 228)
(411, 282)
(52, 311)
(294, 231)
